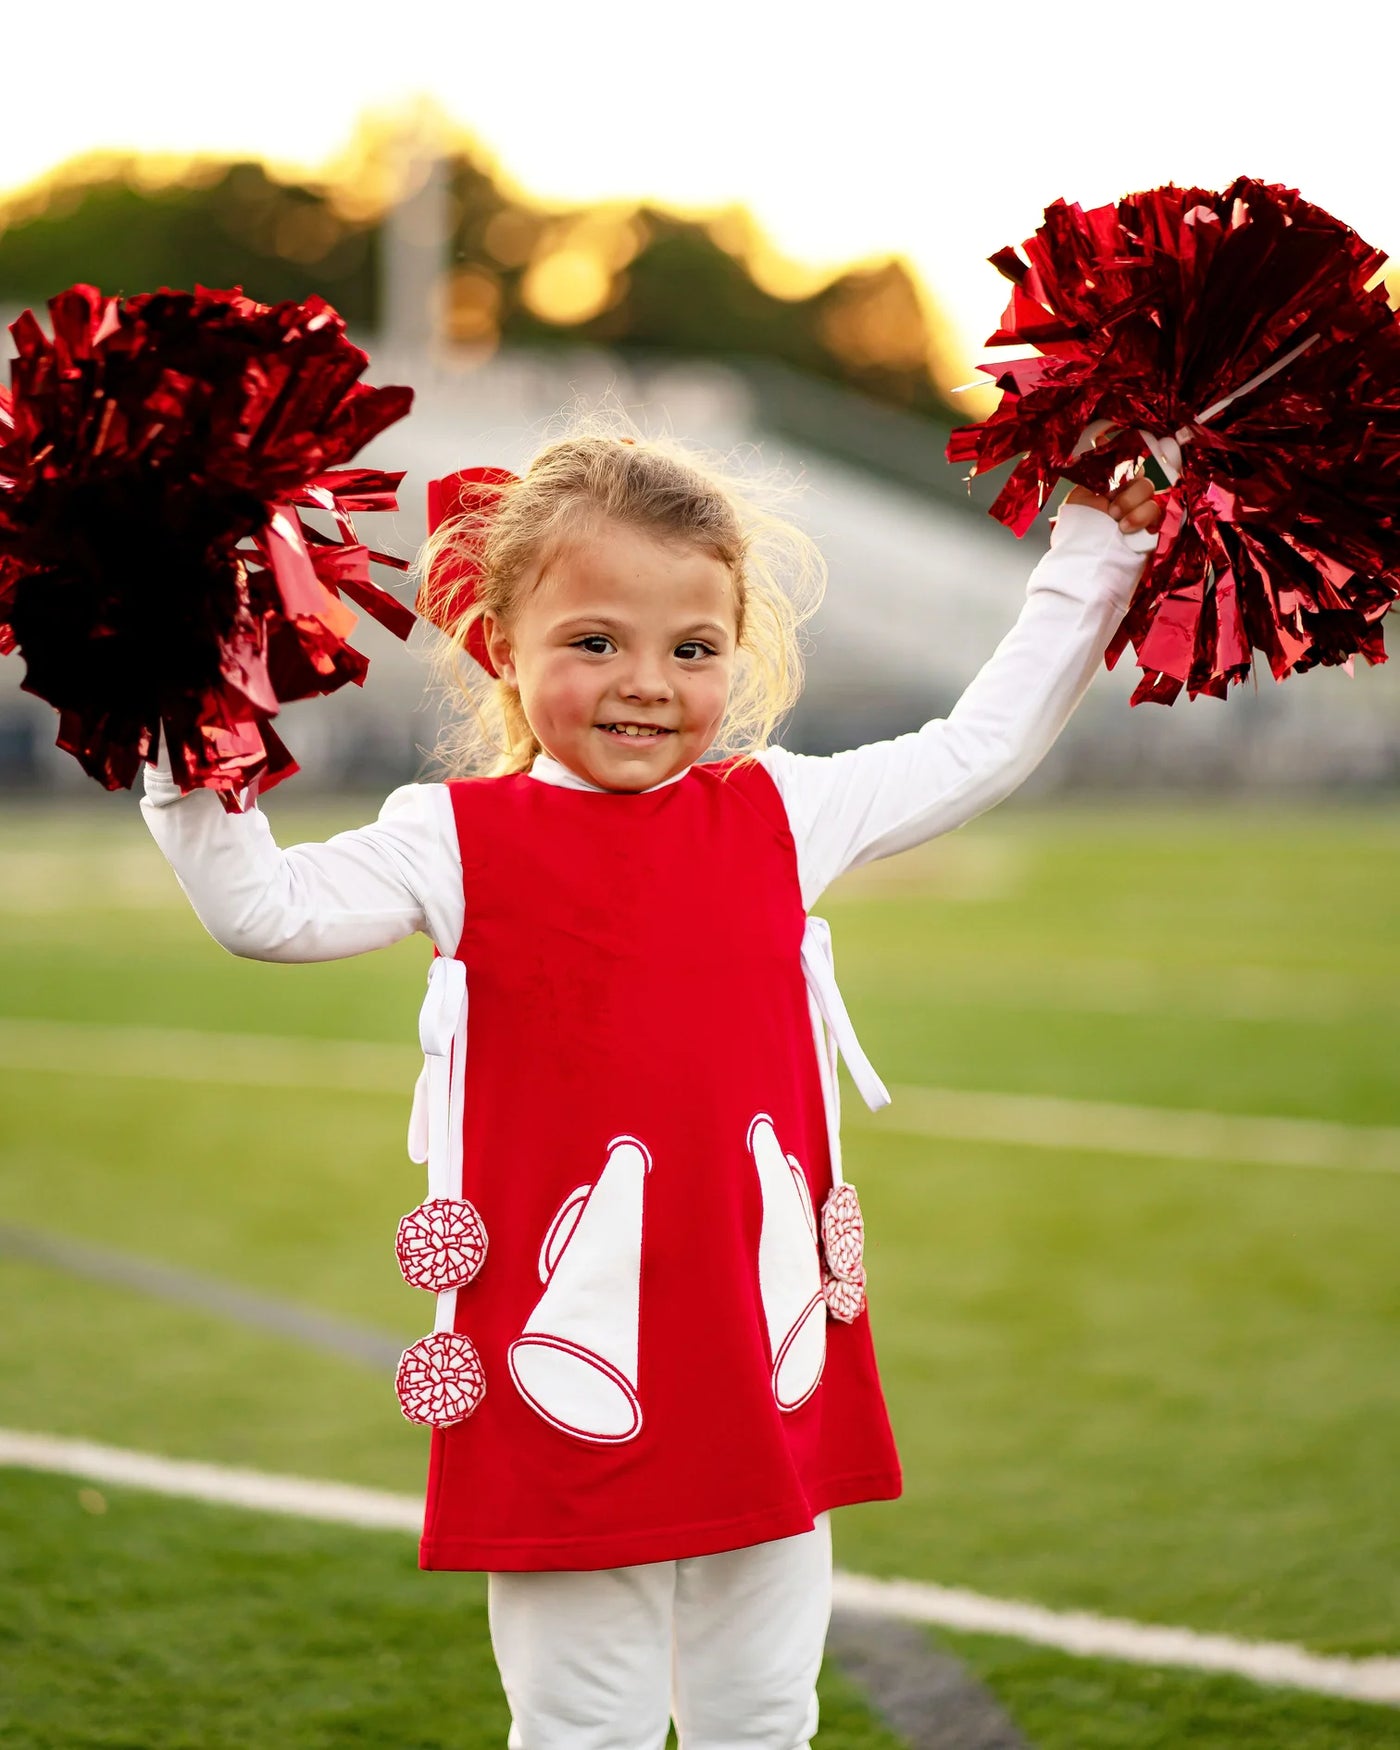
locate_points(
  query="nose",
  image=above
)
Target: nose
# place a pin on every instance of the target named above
(646, 680)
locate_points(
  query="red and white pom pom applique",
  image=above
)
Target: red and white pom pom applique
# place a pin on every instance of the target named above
(843, 1234)
(441, 1244)
(440, 1380)
(844, 1300)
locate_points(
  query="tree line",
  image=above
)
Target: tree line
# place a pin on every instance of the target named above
(622, 277)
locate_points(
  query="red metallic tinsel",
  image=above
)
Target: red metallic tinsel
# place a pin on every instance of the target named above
(158, 573)
(1281, 532)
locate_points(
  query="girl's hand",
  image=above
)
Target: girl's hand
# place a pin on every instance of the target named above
(1134, 506)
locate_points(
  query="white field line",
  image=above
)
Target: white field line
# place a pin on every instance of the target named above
(188, 1055)
(1020, 1120)
(1078, 1632)
(302, 1497)
(1101, 1127)
(1108, 987)
(1135, 1643)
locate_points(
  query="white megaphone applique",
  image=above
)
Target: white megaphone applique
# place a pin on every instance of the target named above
(575, 1363)
(789, 1270)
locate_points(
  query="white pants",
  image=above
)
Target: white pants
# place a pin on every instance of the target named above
(729, 1644)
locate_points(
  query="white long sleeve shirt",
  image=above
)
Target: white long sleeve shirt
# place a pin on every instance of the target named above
(402, 873)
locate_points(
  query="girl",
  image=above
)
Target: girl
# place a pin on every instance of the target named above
(670, 1379)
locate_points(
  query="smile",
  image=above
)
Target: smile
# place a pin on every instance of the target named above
(636, 731)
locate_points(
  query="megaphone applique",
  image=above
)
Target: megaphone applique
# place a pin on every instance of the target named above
(789, 1270)
(575, 1363)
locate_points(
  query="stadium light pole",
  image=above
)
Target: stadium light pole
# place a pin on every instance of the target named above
(415, 242)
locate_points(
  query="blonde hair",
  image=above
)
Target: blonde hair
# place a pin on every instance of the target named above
(593, 475)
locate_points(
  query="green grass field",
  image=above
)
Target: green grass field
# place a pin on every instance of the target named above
(1157, 1389)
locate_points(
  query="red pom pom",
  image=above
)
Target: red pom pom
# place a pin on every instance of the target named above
(156, 568)
(441, 1244)
(843, 1234)
(440, 1380)
(845, 1300)
(1240, 334)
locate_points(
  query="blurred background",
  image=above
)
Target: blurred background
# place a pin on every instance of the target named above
(779, 252)
(1134, 1211)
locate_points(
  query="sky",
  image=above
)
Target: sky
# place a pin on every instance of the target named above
(850, 131)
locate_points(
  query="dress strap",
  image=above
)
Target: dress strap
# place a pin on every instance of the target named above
(435, 1127)
(836, 1036)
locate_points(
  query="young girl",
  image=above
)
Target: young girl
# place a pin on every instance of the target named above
(671, 1379)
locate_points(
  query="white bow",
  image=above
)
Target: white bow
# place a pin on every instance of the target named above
(835, 1035)
(435, 1125)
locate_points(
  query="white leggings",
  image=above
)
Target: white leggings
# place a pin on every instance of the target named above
(729, 1644)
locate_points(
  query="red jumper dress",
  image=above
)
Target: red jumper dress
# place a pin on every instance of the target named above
(644, 1137)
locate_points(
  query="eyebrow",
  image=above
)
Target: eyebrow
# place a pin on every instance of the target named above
(605, 623)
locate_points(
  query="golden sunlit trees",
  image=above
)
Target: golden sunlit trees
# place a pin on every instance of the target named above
(112, 223)
(615, 275)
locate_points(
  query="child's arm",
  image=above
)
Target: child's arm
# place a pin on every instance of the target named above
(360, 890)
(874, 801)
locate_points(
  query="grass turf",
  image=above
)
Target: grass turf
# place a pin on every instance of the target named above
(136, 1623)
(1063, 1703)
(1156, 1389)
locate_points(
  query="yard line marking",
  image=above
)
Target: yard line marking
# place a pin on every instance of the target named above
(192, 1055)
(1088, 1636)
(947, 1114)
(222, 1485)
(223, 1299)
(1077, 1632)
(1108, 987)
(1103, 1127)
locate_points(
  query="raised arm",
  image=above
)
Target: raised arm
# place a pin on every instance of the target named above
(874, 801)
(360, 890)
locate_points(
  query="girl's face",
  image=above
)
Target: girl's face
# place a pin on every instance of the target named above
(623, 654)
